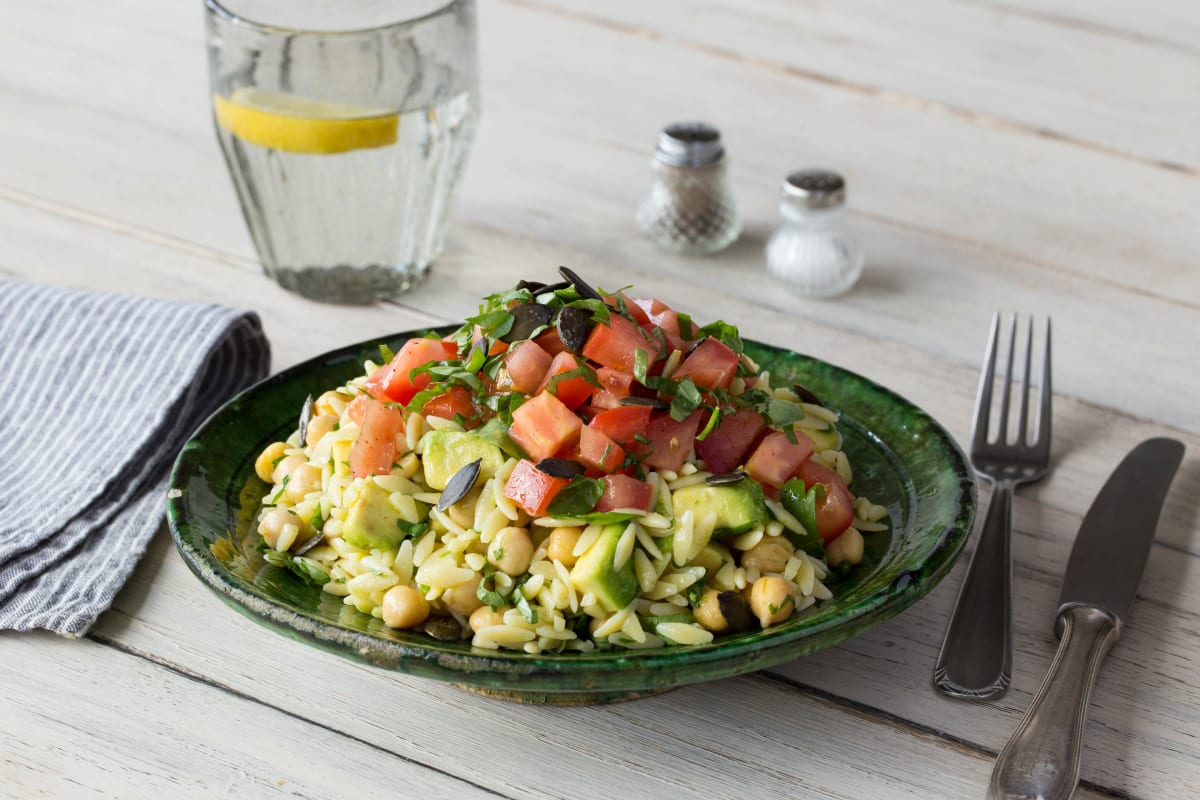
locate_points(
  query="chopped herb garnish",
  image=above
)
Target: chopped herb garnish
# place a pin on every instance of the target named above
(725, 333)
(386, 354)
(577, 497)
(412, 530)
(710, 425)
(787, 601)
(641, 363)
(687, 399)
(487, 591)
(528, 612)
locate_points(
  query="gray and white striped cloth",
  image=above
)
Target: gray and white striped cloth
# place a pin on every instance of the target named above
(98, 393)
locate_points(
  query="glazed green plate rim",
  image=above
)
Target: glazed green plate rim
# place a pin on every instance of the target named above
(932, 552)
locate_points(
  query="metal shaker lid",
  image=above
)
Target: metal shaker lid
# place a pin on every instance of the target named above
(689, 144)
(816, 188)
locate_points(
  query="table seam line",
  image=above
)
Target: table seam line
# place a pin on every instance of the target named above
(109, 641)
(892, 97)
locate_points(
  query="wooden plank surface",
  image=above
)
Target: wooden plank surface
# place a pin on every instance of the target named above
(986, 170)
(1026, 72)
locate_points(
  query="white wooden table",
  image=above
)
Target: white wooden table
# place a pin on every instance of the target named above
(1031, 155)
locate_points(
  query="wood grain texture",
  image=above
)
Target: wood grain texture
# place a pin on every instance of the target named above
(1117, 95)
(84, 720)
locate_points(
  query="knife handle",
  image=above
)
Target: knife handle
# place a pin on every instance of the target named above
(1041, 760)
(975, 660)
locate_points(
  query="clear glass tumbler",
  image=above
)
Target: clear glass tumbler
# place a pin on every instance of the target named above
(346, 128)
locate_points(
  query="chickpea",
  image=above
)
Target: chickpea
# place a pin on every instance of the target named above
(271, 525)
(847, 547)
(561, 545)
(463, 512)
(485, 617)
(463, 598)
(771, 554)
(304, 479)
(771, 600)
(723, 611)
(264, 465)
(331, 403)
(511, 551)
(404, 607)
(712, 558)
(318, 426)
(286, 466)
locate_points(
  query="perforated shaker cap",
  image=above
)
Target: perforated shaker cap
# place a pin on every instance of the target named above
(816, 188)
(689, 144)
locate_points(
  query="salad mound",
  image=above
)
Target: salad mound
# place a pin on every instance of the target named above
(568, 470)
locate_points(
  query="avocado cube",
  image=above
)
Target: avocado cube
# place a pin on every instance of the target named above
(594, 572)
(371, 520)
(738, 506)
(446, 452)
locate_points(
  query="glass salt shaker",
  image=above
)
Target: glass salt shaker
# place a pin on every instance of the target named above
(813, 251)
(690, 208)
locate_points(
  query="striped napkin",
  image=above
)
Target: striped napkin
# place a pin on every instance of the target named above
(98, 393)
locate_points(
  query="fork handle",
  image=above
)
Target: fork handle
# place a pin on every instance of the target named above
(975, 662)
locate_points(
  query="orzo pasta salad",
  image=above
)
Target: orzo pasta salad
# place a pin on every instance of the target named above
(568, 470)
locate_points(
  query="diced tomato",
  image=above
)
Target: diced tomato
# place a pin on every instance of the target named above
(776, 458)
(532, 489)
(375, 448)
(542, 426)
(599, 451)
(551, 342)
(613, 345)
(711, 365)
(526, 365)
(357, 408)
(670, 441)
(835, 511)
(615, 386)
(659, 313)
(621, 423)
(622, 491)
(393, 381)
(571, 391)
(726, 445)
(455, 403)
(632, 306)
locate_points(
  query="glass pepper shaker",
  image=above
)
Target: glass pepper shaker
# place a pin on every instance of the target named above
(813, 251)
(690, 208)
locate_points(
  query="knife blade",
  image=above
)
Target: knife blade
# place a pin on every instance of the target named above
(1114, 540)
(1041, 760)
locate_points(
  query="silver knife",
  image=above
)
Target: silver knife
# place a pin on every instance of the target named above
(1041, 760)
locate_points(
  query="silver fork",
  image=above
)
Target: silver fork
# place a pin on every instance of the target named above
(975, 662)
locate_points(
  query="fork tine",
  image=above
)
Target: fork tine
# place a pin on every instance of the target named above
(983, 401)
(1002, 433)
(1023, 417)
(1043, 431)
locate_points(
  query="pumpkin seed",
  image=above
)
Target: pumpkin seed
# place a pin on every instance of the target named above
(574, 326)
(305, 416)
(581, 286)
(654, 403)
(527, 318)
(560, 467)
(726, 478)
(460, 485)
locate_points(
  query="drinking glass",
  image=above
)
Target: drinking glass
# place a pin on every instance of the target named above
(346, 128)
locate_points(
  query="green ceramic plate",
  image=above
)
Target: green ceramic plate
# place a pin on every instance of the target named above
(901, 457)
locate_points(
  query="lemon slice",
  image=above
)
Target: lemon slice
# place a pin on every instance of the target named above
(296, 124)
